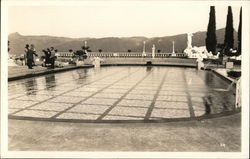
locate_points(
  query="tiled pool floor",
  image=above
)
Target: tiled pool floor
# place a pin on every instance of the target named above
(120, 93)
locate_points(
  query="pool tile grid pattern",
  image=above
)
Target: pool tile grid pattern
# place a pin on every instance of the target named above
(159, 93)
(64, 92)
(47, 85)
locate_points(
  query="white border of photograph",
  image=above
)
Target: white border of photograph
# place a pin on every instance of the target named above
(32, 154)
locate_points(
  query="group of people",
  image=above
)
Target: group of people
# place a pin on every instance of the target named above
(50, 56)
(29, 52)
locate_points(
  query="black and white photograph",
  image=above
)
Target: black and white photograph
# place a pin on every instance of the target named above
(111, 79)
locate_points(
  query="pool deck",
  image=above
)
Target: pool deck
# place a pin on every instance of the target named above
(223, 133)
(211, 135)
(21, 72)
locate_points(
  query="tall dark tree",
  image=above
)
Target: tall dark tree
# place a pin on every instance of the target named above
(211, 40)
(8, 45)
(239, 33)
(229, 32)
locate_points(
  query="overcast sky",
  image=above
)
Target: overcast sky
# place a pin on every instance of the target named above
(116, 21)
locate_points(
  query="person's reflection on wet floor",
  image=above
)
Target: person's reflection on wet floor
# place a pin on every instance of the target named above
(149, 68)
(31, 86)
(82, 74)
(209, 79)
(207, 100)
(50, 81)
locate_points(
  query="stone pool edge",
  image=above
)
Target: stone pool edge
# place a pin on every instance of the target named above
(225, 78)
(160, 120)
(45, 72)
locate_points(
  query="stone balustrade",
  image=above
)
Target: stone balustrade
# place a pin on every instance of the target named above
(132, 54)
(123, 54)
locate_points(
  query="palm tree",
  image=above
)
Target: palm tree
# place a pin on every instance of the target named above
(86, 49)
(8, 45)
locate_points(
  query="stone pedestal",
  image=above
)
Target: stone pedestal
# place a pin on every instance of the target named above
(173, 54)
(199, 64)
(79, 63)
(229, 65)
(97, 62)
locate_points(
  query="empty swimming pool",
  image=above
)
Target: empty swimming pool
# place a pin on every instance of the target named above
(120, 93)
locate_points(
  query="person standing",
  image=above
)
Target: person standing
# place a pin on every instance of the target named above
(32, 47)
(26, 48)
(52, 57)
(29, 56)
(47, 57)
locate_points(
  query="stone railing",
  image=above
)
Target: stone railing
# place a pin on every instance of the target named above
(132, 55)
(124, 55)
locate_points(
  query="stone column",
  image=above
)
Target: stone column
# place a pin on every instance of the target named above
(153, 51)
(173, 52)
(238, 94)
(144, 52)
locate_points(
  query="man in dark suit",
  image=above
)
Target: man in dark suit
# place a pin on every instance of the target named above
(29, 55)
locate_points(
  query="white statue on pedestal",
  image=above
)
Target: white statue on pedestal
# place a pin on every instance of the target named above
(153, 51)
(97, 61)
(195, 52)
(199, 62)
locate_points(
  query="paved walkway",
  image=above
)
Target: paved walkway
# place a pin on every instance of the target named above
(211, 135)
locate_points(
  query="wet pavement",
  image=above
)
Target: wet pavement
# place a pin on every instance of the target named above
(120, 93)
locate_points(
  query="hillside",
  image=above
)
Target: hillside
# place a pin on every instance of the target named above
(112, 44)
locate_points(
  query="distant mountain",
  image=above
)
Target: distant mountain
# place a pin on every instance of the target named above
(111, 44)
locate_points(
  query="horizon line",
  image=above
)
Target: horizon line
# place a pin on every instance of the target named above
(108, 36)
(101, 37)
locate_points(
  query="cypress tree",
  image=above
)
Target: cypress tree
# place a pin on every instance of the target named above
(211, 32)
(239, 33)
(229, 32)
